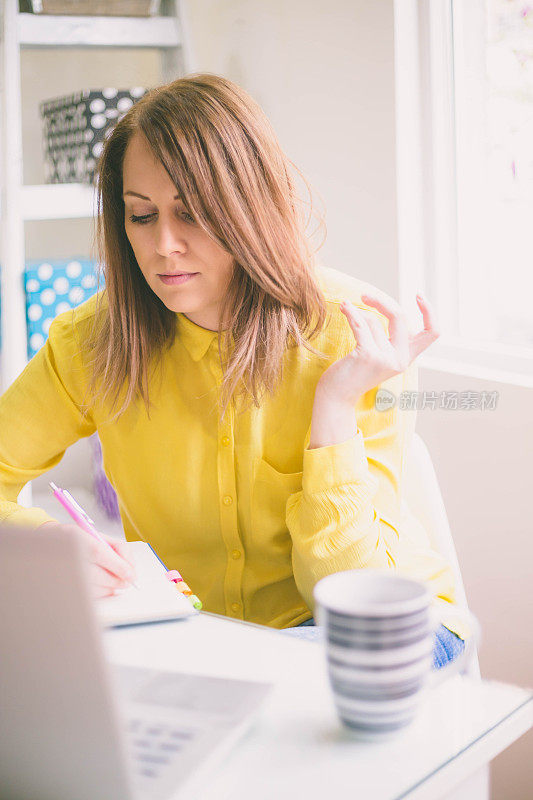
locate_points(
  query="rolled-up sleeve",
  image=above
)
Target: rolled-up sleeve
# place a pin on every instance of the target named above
(349, 515)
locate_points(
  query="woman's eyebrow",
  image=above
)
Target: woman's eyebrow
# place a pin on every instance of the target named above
(143, 197)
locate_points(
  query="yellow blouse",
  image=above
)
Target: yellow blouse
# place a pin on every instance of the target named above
(250, 517)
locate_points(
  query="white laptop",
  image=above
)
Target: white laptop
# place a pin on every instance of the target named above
(71, 725)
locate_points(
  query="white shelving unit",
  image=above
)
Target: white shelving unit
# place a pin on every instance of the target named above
(58, 201)
(19, 203)
(38, 30)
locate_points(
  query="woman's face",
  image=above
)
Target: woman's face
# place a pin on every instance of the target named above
(167, 241)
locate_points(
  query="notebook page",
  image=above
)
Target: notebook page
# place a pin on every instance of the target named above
(156, 598)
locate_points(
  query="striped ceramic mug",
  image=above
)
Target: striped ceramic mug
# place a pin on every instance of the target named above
(379, 633)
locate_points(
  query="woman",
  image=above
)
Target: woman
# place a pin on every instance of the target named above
(232, 382)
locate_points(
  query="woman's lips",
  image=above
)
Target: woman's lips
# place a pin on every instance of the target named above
(173, 280)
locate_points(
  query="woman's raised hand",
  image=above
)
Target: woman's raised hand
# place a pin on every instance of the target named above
(376, 356)
(110, 568)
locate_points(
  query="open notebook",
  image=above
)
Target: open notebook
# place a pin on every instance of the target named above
(156, 598)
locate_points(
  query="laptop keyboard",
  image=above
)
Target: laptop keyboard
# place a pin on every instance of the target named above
(177, 722)
(155, 746)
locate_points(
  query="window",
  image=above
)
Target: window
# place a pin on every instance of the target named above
(465, 178)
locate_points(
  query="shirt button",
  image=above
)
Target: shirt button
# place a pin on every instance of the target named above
(225, 440)
(227, 500)
(235, 607)
(236, 554)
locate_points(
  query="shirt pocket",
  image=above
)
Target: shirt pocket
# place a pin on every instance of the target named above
(270, 492)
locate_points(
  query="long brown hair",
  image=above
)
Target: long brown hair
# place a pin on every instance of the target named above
(222, 155)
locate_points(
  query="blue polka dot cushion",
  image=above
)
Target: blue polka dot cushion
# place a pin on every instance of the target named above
(53, 287)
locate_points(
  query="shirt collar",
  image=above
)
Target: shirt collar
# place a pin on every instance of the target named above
(197, 340)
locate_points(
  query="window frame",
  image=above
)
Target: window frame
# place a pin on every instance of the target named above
(433, 201)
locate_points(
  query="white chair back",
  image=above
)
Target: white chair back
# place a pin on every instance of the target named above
(422, 494)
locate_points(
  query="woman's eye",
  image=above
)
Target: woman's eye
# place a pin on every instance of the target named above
(147, 217)
(143, 219)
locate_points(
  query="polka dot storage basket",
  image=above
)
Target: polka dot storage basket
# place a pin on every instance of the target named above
(51, 288)
(74, 129)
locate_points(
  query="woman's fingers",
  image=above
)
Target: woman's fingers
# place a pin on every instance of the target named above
(108, 558)
(376, 357)
(398, 333)
(110, 567)
(103, 583)
(422, 340)
(359, 326)
(408, 345)
(380, 337)
(122, 549)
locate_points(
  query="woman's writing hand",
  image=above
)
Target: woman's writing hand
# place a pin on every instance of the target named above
(110, 568)
(376, 357)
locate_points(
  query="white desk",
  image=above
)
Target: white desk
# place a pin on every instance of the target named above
(297, 748)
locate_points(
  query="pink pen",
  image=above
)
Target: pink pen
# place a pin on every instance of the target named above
(78, 514)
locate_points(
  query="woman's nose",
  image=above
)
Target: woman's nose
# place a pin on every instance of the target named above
(169, 240)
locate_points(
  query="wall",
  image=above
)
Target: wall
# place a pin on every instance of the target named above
(483, 462)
